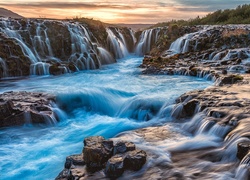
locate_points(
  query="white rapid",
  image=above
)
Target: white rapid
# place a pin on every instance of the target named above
(106, 102)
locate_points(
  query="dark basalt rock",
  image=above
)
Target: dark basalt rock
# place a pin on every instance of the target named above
(76, 159)
(98, 154)
(231, 79)
(243, 149)
(115, 166)
(122, 147)
(18, 108)
(134, 160)
(190, 107)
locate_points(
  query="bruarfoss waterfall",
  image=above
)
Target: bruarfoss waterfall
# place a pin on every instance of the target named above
(114, 100)
(57, 47)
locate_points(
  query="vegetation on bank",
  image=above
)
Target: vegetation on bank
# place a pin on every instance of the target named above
(240, 15)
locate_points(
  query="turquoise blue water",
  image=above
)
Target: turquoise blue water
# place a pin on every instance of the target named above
(105, 102)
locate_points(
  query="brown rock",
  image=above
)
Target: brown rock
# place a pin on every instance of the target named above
(96, 152)
(134, 160)
(122, 147)
(18, 108)
(243, 149)
(114, 167)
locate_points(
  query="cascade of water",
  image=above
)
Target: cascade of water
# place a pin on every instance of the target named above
(41, 42)
(230, 148)
(106, 57)
(242, 171)
(35, 38)
(117, 45)
(219, 130)
(9, 30)
(3, 66)
(177, 110)
(147, 39)
(132, 34)
(205, 125)
(195, 123)
(39, 68)
(181, 45)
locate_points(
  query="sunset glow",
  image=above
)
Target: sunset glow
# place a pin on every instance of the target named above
(115, 11)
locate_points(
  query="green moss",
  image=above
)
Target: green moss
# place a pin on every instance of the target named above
(236, 77)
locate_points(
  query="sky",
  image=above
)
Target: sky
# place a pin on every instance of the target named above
(119, 11)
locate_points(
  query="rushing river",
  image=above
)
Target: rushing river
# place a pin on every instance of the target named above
(105, 102)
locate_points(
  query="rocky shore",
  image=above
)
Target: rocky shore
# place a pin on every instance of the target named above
(19, 108)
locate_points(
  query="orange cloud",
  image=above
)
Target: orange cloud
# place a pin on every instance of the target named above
(113, 11)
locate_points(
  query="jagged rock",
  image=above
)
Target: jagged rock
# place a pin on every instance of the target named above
(98, 154)
(66, 174)
(122, 147)
(189, 107)
(224, 71)
(76, 159)
(231, 79)
(114, 167)
(243, 149)
(193, 71)
(97, 151)
(134, 160)
(18, 108)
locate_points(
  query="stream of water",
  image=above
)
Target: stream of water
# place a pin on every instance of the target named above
(105, 102)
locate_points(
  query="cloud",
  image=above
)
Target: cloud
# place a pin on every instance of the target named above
(128, 11)
(67, 5)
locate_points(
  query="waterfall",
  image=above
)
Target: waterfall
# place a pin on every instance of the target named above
(117, 43)
(55, 47)
(39, 68)
(106, 57)
(147, 39)
(181, 45)
(82, 46)
(3, 66)
(132, 34)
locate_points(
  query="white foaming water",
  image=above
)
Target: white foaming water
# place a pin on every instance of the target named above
(104, 102)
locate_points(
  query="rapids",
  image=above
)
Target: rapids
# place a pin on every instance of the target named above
(107, 101)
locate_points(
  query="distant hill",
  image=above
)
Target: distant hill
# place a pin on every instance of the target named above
(239, 15)
(135, 27)
(7, 13)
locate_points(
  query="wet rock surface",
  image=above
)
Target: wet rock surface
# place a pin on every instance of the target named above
(99, 160)
(212, 52)
(43, 47)
(221, 111)
(18, 108)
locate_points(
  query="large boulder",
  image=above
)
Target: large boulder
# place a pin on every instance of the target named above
(97, 151)
(115, 166)
(243, 149)
(134, 160)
